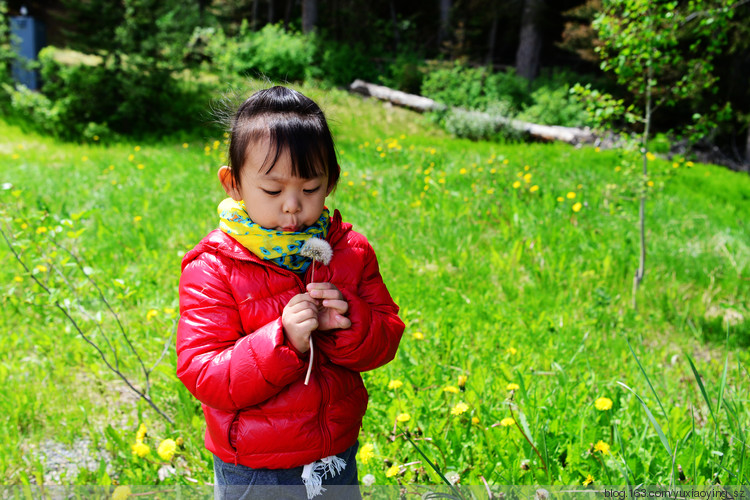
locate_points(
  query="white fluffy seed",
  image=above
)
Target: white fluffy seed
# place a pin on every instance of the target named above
(317, 249)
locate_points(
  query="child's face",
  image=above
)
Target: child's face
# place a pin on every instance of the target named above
(277, 199)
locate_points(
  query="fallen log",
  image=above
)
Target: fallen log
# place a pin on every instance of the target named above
(571, 135)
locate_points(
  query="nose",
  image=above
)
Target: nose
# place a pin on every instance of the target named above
(291, 204)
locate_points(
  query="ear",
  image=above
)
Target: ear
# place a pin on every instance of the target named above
(227, 182)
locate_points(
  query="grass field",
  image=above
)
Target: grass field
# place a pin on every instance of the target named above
(512, 264)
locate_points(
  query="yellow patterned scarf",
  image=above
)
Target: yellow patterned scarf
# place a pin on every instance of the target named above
(281, 247)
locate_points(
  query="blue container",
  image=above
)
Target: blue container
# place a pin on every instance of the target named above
(28, 37)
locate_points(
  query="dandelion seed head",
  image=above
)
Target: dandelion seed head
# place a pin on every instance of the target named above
(317, 249)
(368, 480)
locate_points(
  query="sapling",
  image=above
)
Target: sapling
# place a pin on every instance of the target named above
(318, 250)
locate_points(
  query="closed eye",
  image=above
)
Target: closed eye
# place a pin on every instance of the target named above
(271, 193)
(311, 191)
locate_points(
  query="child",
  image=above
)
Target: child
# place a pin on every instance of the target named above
(248, 309)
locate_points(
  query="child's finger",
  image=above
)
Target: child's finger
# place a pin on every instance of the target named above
(324, 285)
(329, 293)
(340, 306)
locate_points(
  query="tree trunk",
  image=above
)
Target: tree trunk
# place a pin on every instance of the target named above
(394, 24)
(530, 40)
(287, 14)
(270, 12)
(254, 23)
(491, 41)
(309, 15)
(445, 13)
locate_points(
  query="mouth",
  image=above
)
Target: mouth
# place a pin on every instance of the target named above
(290, 229)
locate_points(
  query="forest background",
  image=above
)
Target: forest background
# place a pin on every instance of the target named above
(152, 65)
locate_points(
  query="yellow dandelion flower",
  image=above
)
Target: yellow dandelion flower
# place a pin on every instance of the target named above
(597, 149)
(506, 161)
(516, 185)
(403, 417)
(141, 433)
(141, 449)
(15, 156)
(166, 449)
(526, 167)
(367, 144)
(577, 207)
(151, 314)
(169, 310)
(24, 226)
(675, 164)
(618, 168)
(216, 144)
(395, 384)
(560, 198)
(41, 229)
(650, 183)
(111, 167)
(602, 447)
(114, 182)
(427, 179)
(507, 422)
(207, 149)
(452, 389)
(418, 335)
(527, 178)
(512, 351)
(350, 183)
(137, 148)
(475, 420)
(137, 218)
(589, 479)
(462, 380)
(580, 186)
(131, 157)
(650, 156)
(392, 471)
(374, 193)
(459, 409)
(121, 492)
(415, 204)
(534, 188)
(18, 279)
(84, 158)
(141, 166)
(382, 155)
(366, 453)
(689, 164)
(345, 174)
(441, 180)
(185, 145)
(40, 269)
(512, 387)
(571, 195)
(603, 404)
(490, 190)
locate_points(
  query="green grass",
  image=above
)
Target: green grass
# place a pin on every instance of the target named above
(496, 283)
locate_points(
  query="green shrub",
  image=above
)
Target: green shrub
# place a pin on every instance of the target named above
(341, 63)
(405, 73)
(476, 88)
(555, 106)
(271, 52)
(85, 95)
(6, 53)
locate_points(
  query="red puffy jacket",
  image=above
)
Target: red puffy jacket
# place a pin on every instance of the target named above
(234, 357)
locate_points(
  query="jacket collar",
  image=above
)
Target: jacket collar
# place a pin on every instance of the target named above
(218, 241)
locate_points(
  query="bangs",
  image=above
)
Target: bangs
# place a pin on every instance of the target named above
(304, 140)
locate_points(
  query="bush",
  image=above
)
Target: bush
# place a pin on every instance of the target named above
(85, 95)
(476, 88)
(405, 73)
(341, 63)
(271, 52)
(6, 53)
(555, 106)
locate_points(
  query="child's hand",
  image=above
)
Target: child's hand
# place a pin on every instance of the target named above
(299, 318)
(333, 306)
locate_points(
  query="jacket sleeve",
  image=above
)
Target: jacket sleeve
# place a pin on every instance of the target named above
(373, 338)
(220, 365)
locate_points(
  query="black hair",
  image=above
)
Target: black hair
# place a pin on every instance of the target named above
(292, 122)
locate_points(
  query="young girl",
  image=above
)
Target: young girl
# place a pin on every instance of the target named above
(248, 309)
